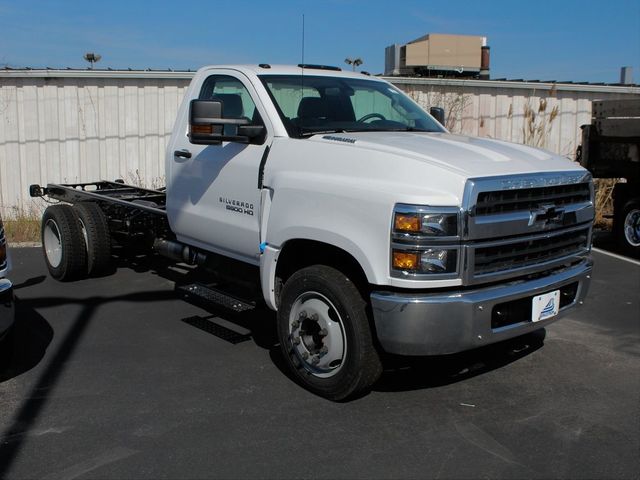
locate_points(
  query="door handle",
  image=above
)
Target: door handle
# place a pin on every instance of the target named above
(182, 153)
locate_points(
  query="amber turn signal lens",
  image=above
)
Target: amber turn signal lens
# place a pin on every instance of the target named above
(205, 129)
(406, 223)
(405, 260)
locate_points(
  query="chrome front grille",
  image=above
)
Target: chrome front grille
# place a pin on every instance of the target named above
(525, 224)
(507, 201)
(514, 254)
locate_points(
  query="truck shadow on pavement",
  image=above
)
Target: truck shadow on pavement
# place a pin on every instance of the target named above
(415, 373)
(26, 344)
(31, 408)
(403, 374)
(400, 373)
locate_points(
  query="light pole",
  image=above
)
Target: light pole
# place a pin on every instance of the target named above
(354, 62)
(92, 58)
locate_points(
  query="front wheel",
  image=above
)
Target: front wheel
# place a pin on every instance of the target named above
(324, 333)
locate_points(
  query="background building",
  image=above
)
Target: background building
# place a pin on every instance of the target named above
(440, 55)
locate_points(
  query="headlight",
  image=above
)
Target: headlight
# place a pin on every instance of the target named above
(425, 241)
(430, 260)
(423, 221)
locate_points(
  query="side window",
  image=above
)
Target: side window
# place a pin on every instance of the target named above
(237, 102)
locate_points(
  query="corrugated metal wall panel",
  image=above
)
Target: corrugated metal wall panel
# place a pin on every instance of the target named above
(80, 127)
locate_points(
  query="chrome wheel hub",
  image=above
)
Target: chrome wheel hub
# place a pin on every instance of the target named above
(317, 334)
(632, 227)
(52, 243)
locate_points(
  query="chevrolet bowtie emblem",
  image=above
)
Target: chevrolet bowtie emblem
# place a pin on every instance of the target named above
(547, 213)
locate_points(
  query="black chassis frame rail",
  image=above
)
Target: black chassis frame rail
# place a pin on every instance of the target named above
(130, 196)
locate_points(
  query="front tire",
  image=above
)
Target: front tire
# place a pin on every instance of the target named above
(324, 334)
(63, 244)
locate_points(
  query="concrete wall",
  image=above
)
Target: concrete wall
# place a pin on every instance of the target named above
(78, 126)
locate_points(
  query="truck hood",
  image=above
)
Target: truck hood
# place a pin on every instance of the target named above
(467, 156)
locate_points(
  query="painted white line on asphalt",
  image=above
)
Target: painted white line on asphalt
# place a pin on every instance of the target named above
(615, 255)
(24, 244)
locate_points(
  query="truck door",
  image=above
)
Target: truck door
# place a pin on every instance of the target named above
(213, 200)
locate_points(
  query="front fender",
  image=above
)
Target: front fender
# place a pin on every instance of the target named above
(335, 211)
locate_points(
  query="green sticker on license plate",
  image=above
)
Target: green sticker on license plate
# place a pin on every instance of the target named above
(545, 306)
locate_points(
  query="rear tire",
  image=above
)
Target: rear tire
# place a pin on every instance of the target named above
(324, 334)
(95, 229)
(63, 243)
(628, 231)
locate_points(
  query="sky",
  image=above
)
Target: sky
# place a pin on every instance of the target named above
(575, 40)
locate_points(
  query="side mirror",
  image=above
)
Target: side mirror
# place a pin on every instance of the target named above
(251, 131)
(207, 122)
(438, 114)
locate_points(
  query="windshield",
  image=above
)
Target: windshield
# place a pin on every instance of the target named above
(310, 105)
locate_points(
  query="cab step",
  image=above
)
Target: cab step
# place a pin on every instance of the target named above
(198, 291)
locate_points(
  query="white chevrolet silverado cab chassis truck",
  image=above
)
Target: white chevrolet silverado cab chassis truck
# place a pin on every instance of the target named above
(354, 213)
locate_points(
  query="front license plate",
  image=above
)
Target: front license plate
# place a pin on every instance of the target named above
(545, 306)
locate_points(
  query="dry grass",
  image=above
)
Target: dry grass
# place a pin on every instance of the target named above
(604, 200)
(538, 123)
(22, 226)
(134, 178)
(22, 231)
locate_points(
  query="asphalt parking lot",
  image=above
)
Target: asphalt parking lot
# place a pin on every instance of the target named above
(118, 377)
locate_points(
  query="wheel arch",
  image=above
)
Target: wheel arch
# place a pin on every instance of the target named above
(299, 253)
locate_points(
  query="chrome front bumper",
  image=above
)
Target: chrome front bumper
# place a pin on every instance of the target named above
(7, 306)
(454, 321)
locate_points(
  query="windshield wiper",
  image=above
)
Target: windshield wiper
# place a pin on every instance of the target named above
(409, 129)
(378, 129)
(311, 133)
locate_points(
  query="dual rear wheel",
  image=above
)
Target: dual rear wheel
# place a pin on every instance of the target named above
(76, 241)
